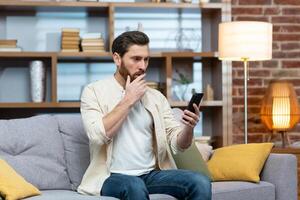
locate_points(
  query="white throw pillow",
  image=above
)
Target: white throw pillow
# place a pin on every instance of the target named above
(205, 150)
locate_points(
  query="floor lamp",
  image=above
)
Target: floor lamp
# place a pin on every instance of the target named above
(245, 41)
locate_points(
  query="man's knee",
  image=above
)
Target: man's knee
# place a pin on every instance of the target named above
(202, 185)
(135, 184)
(200, 179)
(131, 188)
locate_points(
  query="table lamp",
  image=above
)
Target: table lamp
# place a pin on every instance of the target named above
(280, 109)
(245, 41)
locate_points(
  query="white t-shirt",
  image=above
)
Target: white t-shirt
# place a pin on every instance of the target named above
(132, 152)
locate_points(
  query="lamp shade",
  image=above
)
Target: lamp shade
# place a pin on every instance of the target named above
(249, 40)
(280, 110)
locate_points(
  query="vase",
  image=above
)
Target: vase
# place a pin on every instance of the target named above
(37, 80)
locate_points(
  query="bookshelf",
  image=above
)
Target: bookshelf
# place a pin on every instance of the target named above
(216, 112)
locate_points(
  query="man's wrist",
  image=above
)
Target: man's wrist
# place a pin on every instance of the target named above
(126, 102)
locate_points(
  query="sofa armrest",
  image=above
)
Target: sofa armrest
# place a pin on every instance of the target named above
(281, 170)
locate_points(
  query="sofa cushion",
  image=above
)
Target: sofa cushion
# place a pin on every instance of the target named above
(71, 195)
(229, 190)
(66, 195)
(191, 159)
(76, 146)
(242, 162)
(34, 148)
(14, 186)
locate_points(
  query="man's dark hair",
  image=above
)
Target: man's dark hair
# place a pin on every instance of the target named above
(122, 43)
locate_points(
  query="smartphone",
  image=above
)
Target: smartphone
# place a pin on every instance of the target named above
(196, 98)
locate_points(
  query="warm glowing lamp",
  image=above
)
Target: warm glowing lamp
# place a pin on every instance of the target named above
(280, 109)
(245, 41)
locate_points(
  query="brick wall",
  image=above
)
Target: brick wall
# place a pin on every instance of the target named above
(285, 17)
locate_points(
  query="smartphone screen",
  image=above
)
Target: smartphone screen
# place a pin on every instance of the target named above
(196, 98)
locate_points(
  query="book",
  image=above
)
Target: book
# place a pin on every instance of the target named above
(7, 46)
(16, 49)
(92, 40)
(69, 50)
(70, 42)
(8, 42)
(70, 34)
(70, 30)
(94, 51)
(92, 48)
(91, 36)
(92, 44)
(70, 38)
(70, 47)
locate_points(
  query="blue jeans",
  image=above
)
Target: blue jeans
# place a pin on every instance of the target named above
(181, 184)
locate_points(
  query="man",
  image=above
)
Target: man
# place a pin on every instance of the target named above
(132, 132)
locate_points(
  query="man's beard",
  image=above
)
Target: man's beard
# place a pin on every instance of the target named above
(124, 72)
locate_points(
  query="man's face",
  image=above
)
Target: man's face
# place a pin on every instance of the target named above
(134, 62)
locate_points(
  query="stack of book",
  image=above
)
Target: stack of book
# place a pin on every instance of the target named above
(92, 42)
(9, 45)
(70, 40)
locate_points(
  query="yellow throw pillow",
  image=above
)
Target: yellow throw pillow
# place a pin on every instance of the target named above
(12, 185)
(239, 162)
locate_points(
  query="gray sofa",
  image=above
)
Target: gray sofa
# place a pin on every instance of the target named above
(51, 152)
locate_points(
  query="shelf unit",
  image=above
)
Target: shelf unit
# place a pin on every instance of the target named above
(18, 5)
(217, 112)
(55, 56)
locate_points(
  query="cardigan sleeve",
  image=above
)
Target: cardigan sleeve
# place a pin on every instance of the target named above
(92, 114)
(172, 126)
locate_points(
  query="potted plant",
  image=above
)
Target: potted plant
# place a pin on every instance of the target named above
(181, 88)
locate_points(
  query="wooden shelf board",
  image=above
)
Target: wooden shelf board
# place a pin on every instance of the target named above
(83, 54)
(203, 103)
(53, 3)
(15, 3)
(98, 55)
(286, 150)
(26, 105)
(101, 54)
(28, 54)
(186, 54)
(168, 5)
(76, 104)
(41, 105)
(154, 54)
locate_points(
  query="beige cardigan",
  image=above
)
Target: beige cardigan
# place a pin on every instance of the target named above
(98, 99)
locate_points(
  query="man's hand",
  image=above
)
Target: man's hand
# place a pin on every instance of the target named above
(136, 89)
(189, 118)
